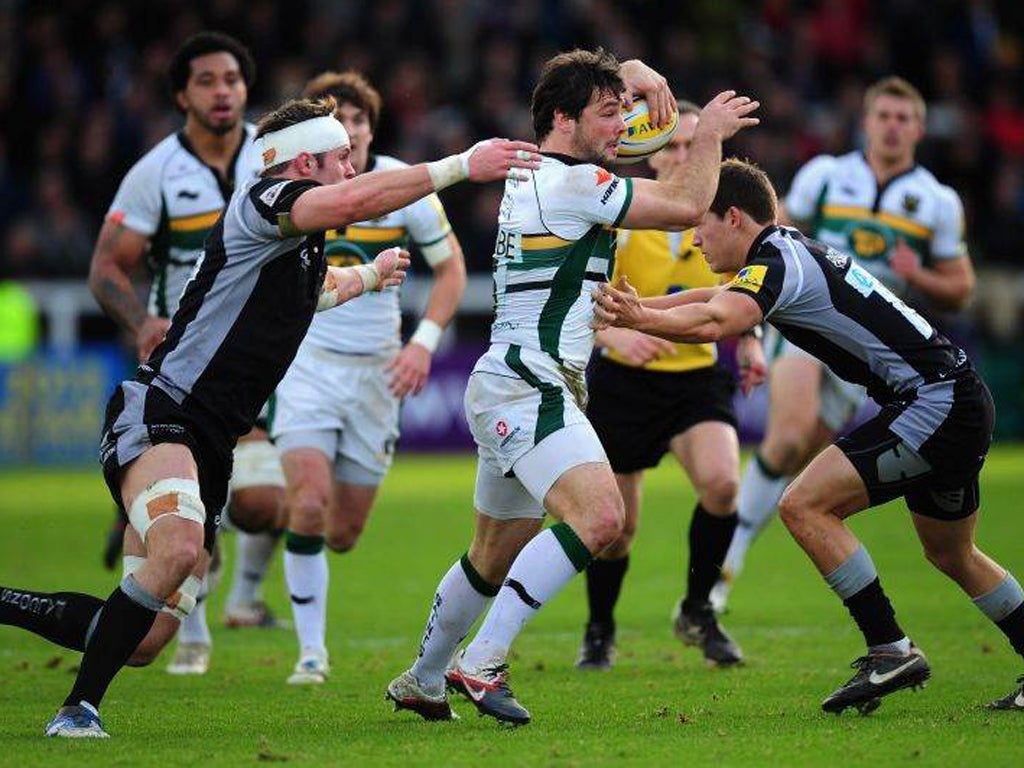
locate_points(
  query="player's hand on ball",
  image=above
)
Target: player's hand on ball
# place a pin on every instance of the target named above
(641, 80)
(500, 159)
(636, 348)
(409, 370)
(619, 306)
(149, 334)
(391, 265)
(752, 364)
(727, 114)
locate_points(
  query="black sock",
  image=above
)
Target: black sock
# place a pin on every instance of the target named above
(710, 538)
(1013, 627)
(604, 581)
(123, 624)
(874, 615)
(63, 618)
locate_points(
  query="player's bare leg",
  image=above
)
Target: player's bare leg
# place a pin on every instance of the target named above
(794, 434)
(604, 580)
(950, 547)
(813, 508)
(464, 593)
(709, 453)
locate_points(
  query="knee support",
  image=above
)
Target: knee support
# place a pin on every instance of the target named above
(182, 602)
(171, 496)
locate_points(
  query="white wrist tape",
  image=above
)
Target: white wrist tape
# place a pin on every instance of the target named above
(450, 170)
(428, 335)
(369, 275)
(327, 300)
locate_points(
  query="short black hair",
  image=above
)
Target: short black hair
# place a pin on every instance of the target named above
(741, 184)
(567, 83)
(201, 44)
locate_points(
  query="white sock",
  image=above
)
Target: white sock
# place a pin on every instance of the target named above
(194, 628)
(758, 497)
(306, 575)
(461, 597)
(253, 552)
(541, 569)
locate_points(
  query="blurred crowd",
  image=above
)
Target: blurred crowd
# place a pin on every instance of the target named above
(83, 91)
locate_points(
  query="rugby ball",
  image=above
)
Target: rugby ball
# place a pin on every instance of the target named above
(640, 139)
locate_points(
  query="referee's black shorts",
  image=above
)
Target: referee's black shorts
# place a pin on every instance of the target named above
(637, 412)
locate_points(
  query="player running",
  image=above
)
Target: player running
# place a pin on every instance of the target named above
(336, 410)
(164, 209)
(927, 445)
(649, 397)
(526, 397)
(169, 432)
(906, 229)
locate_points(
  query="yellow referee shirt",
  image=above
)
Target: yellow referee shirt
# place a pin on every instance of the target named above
(659, 263)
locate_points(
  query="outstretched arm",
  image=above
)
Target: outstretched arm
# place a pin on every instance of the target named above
(729, 313)
(370, 195)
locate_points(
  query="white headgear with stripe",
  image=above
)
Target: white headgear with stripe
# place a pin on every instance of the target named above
(316, 135)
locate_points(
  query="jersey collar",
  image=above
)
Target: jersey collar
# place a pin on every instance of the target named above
(566, 159)
(755, 246)
(226, 185)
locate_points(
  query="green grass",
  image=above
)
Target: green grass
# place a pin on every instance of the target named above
(660, 705)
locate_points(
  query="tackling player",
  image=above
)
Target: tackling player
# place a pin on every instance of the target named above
(526, 396)
(336, 410)
(927, 444)
(165, 207)
(649, 397)
(906, 229)
(170, 431)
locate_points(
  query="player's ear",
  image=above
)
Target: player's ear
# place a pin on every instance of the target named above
(181, 100)
(562, 122)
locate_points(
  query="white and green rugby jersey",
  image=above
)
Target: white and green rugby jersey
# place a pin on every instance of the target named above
(555, 244)
(846, 208)
(174, 198)
(371, 324)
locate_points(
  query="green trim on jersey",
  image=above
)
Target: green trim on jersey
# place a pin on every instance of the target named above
(625, 203)
(342, 251)
(189, 240)
(871, 238)
(565, 289)
(551, 414)
(160, 256)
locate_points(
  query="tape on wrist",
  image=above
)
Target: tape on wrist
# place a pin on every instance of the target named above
(368, 274)
(427, 335)
(450, 170)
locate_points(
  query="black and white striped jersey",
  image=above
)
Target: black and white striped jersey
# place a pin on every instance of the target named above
(824, 302)
(244, 311)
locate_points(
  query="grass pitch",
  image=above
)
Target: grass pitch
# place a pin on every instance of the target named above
(660, 705)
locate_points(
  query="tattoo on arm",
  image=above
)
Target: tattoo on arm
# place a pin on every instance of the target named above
(113, 287)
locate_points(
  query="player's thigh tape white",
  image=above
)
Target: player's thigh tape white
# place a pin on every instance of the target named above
(171, 496)
(256, 464)
(181, 603)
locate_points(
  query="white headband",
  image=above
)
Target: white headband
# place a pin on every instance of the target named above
(316, 135)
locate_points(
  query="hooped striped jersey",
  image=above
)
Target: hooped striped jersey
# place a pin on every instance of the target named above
(244, 312)
(556, 242)
(371, 324)
(174, 198)
(660, 263)
(844, 206)
(828, 304)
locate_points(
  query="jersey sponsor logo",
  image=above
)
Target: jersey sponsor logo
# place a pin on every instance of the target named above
(609, 192)
(751, 278)
(188, 194)
(270, 195)
(603, 176)
(862, 281)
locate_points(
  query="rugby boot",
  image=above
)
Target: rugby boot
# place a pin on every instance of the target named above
(487, 688)
(407, 693)
(699, 627)
(878, 675)
(311, 669)
(598, 647)
(256, 614)
(77, 722)
(190, 659)
(1013, 701)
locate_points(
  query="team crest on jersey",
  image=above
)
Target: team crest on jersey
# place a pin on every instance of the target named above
(751, 278)
(270, 195)
(911, 203)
